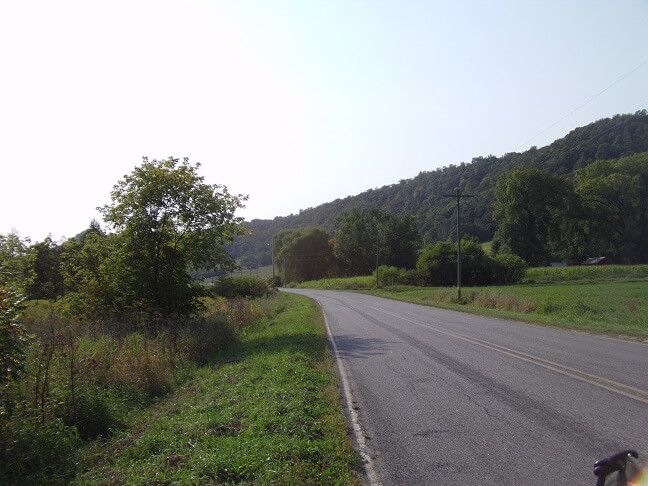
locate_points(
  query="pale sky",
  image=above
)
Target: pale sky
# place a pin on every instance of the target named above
(295, 103)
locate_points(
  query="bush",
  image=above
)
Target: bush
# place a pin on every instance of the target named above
(32, 452)
(509, 269)
(411, 277)
(388, 275)
(207, 335)
(476, 266)
(12, 337)
(94, 412)
(437, 264)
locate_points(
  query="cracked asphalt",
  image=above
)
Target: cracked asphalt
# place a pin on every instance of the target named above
(445, 397)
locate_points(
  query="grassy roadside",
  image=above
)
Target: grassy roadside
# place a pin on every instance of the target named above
(617, 308)
(266, 411)
(610, 299)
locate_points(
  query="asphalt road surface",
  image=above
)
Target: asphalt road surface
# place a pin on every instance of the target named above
(444, 397)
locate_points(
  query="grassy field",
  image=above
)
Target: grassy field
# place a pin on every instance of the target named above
(619, 308)
(266, 412)
(586, 274)
(607, 299)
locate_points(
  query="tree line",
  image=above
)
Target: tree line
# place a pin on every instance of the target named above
(539, 217)
(421, 196)
(601, 211)
(163, 222)
(124, 323)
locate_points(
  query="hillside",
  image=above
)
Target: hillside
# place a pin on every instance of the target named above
(421, 196)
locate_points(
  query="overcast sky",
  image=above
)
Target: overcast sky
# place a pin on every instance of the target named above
(295, 103)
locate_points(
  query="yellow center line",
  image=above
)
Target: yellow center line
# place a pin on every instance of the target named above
(634, 393)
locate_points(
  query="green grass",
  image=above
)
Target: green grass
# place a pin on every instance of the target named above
(590, 274)
(610, 299)
(619, 308)
(266, 412)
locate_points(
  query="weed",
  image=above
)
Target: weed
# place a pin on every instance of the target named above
(83, 380)
(269, 416)
(630, 305)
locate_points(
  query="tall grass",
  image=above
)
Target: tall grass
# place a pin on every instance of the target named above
(266, 412)
(593, 273)
(83, 380)
(612, 307)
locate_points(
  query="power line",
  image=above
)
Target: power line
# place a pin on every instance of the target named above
(584, 104)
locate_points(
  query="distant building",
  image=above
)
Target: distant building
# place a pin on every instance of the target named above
(596, 261)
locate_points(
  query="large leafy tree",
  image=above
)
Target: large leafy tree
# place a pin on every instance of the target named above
(12, 338)
(46, 281)
(97, 275)
(304, 254)
(363, 235)
(615, 193)
(536, 214)
(15, 266)
(169, 222)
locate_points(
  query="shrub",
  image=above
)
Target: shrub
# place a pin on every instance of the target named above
(411, 277)
(388, 275)
(476, 265)
(12, 337)
(32, 452)
(207, 335)
(437, 264)
(94, 412)
(509, 269)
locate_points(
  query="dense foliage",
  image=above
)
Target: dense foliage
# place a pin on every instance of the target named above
(166, 221)
(609, 138)
(603, 211)
(533, 209)
(365, 238)
(614, 194)
(12, 339)
(437, 265)
(169, 221)
(304, 254)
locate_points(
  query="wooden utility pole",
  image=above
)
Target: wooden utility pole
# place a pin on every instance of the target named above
(377, 250)
(457, 195)
(272, 256)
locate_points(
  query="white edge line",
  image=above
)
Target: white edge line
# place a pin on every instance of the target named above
(370, 470)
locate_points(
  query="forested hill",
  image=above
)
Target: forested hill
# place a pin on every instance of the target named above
(422, 196)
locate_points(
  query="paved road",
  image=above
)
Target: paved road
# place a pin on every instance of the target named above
(451, 398)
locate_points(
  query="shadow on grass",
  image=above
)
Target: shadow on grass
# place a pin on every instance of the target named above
(312, 345)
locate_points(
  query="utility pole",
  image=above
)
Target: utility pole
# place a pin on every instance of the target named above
(457, 195)
(272, 257)
(377, 249)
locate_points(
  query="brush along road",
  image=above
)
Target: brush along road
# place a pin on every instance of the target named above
(444, 397)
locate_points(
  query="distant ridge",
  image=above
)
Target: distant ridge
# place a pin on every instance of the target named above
(608, 138)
